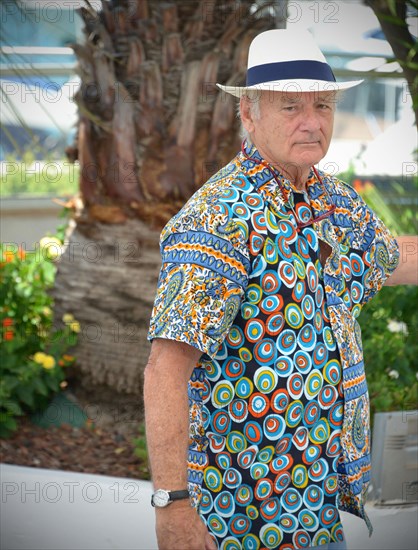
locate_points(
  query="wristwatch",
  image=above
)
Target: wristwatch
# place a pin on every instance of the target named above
(162, 498)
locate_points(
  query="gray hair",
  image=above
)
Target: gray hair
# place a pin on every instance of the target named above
(254, 98)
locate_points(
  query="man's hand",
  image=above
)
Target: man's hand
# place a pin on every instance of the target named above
(179, 527)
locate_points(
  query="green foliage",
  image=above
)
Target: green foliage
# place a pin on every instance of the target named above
(389, 326)
(389, 322)
(33, 351)
(141, 452)
(33, 177)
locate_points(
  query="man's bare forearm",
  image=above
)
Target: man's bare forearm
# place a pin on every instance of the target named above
(407, 271)
(167, 411)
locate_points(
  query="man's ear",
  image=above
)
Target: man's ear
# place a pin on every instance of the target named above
(246, 114)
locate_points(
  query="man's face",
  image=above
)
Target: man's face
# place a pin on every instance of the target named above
(294, 129)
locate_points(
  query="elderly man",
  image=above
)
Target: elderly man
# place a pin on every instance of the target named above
(256, 401)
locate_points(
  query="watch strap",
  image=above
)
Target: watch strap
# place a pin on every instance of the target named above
(179, 495)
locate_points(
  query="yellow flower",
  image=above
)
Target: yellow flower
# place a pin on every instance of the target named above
(75, 326)
(39, 357)
(68, 318)
(51, 247)
(48, 362)
(47, 311)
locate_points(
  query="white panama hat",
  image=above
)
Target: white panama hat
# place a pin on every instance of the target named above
(287, 60)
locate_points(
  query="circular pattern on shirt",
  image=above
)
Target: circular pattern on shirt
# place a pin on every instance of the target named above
(232, 478)
(270, 509)
(217, 525)
(312, 413)
(286, 342)
(291, 500)
(328, 515)
(308, 306)
(282, 482)
(330, 485)
(356, 292)
(288, 523)
(271, 535)
(308, 519)
(319, 470)
(254, 330)
(298, 291)
(311, 454)
(244, 388)
(275, 323)
(329, 339)
(335, 415)
(294, 385)
(246, 458)
(239, 525)
(241, 210)
(263, 488)
(279, 401)
(320, 355)
(213, 479)
(258, 405)
(235, 337)
(271, 304)
(307, 338)
(287, 273)
(293, 316)
(294, 413)
(313, 497)
(301, 539)
(235, 442)
(265, 379)
(327, 396)
(301, 438)
(284, 366)
(244, 495)
(224, 504)
(332, 372)
(254, 293)
(270, 251)
(221, 422)
(253, 433)
(270, 283)
(319, 433)
(300, 476)
(313, 384)
(223, 460)
(222, 394)
(238, 410)
(265, 352)
(273, 426)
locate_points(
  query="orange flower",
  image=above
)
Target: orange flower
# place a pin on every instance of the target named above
(9, 256)
(7, 322)
(21, 254)
(8, 335)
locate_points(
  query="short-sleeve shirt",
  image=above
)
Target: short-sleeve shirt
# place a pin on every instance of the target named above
(279, 434)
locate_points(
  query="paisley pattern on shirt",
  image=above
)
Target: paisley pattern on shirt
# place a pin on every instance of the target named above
(240, 283)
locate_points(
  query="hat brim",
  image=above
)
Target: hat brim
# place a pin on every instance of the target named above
(299, 85)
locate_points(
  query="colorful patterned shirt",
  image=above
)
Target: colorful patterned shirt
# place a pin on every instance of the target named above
(279, 412)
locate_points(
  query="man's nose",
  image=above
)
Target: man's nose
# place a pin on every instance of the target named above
(310, 120)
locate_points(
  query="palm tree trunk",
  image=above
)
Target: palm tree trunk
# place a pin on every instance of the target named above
(152, 129)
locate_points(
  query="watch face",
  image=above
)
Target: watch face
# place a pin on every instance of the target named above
(160, 498)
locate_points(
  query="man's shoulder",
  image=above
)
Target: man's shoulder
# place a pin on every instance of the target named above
(211, 206)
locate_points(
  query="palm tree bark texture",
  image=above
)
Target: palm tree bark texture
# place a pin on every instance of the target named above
(152, 128)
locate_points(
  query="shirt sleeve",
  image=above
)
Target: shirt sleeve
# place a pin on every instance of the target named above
(380, 248)
(203, 277)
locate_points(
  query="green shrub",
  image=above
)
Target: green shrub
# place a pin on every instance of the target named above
(389, 326)
(33, 351)
(33, 177)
